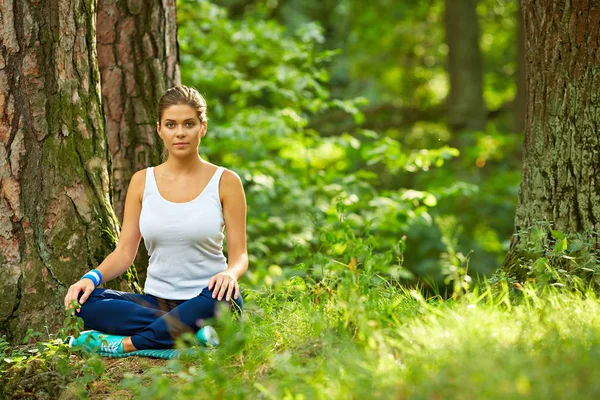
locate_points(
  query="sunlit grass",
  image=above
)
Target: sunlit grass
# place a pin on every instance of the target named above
(346, 337)
(390, 342)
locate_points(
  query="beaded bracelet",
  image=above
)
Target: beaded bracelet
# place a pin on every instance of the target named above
(95, 276)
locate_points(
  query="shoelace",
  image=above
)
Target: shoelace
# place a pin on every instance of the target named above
(111, 347)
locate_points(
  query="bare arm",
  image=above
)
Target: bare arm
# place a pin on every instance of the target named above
(234, 214)
(117, 262)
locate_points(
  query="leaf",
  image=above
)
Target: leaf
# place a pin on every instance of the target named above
(560, 246)
(430, 200)
(540, 264)
(575, 246)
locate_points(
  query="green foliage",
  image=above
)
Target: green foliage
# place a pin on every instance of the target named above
(295, 178)
(43, 369)
(264, 84)
(346, 331)
(398, 54)
(349, 333)
(479, 189)
(342, 328)
(554, 258)
(455, 264)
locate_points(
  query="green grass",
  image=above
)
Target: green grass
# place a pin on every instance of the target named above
(389, 342)
(348, 337)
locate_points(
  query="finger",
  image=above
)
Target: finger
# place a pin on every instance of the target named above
(222, 290)
(237, 291)
(217, 287)
(71, 296)
(73, 302)
(68, 299)
(230, 290)
(86, 294)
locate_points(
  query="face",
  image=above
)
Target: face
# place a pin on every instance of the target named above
(181, 130)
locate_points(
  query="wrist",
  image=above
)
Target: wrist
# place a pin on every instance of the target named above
(94, 275)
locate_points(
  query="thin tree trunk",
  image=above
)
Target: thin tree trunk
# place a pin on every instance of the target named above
(56, 220)
(562, 147)
(466, 109)
(138, 60)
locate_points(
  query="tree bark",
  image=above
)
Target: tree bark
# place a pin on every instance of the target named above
(562, 148)
(466, 109)
(138, 60)
(56, 220)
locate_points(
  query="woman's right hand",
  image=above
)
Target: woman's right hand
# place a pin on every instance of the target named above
(86, 286)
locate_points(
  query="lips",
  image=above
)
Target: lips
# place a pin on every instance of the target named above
(180, 144)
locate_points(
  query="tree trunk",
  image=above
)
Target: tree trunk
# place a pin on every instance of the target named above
(562, 148)
(138, 60)
(56, 220)
(466, 109)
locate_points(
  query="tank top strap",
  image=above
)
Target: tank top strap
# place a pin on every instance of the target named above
(213, 185)
(150, 182)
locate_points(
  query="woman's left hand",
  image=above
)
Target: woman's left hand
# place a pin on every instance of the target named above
(224, 284)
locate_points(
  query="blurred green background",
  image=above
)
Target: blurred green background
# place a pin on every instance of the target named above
(403, 119)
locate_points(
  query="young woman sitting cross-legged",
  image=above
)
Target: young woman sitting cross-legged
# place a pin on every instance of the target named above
(181, 208)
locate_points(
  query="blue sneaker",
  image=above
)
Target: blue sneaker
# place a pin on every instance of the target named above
(71, 340)
(97, 341)
(207, 336)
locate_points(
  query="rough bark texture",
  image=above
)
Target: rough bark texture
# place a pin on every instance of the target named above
(138, 60)
(562, 148)
(466, 109)
(55, 216)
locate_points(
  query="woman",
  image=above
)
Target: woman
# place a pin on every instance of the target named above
(180, 208)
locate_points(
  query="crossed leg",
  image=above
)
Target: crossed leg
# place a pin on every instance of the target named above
(152, 323)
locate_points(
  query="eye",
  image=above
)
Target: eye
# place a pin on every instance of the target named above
(170, 125)
(189, 124)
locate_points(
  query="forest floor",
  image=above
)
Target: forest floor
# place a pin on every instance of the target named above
(356, 340)
(109, 384)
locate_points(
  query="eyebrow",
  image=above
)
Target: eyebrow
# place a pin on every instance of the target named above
(185, 120)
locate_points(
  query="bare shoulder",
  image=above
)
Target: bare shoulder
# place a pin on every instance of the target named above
(231, 177)
(230, 185)
(137, 183)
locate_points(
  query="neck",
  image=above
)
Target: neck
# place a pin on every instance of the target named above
(183, 166)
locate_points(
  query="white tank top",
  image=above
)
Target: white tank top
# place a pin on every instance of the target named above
(184, 240)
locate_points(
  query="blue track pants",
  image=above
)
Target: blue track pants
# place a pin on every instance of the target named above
(152, 322)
